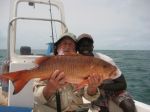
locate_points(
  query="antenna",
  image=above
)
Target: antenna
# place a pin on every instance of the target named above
(51, 24)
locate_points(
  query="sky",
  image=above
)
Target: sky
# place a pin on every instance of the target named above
(113, 24)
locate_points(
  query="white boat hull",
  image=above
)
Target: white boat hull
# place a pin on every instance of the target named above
(140, 107)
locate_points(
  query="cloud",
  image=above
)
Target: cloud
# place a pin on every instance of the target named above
(114, 24)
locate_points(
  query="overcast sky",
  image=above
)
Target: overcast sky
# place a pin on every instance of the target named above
(114, 24)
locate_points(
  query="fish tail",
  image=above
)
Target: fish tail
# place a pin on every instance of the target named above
(18, 85)
(19, 79)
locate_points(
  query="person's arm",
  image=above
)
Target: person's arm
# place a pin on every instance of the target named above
(38, 87)
(44, 90)
(94, 81)
(91, 92)
(118, 84)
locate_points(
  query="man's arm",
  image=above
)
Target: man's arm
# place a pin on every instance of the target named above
(118, 84)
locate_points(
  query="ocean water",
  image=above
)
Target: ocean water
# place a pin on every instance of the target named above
(134, 64)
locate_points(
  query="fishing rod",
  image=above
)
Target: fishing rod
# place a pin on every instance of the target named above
(57, 94)
(51, 25)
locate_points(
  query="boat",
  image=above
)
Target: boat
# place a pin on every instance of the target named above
(21, 54)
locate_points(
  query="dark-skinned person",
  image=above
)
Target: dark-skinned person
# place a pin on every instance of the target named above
(70, 100)
(115, 89)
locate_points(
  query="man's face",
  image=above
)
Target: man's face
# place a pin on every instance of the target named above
(66, 45)
(85, 47)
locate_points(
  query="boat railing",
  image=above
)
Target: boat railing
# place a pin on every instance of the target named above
(42, 19)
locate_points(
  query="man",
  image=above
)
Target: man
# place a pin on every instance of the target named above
(110, 89)
(44, 91)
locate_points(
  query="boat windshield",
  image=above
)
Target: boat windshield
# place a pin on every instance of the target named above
(33, 35)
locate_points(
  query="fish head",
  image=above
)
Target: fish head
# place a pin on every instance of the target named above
(107, 70)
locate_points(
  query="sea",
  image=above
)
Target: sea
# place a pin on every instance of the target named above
(135, 66)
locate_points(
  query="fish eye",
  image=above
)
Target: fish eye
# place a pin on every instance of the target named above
(105, 66)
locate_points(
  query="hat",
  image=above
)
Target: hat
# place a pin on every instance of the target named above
(85, 36)
(70, 35)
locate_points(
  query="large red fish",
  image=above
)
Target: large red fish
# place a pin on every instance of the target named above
(77, 68)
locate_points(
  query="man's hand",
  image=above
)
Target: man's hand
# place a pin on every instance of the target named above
(56, 81)
(94, 82)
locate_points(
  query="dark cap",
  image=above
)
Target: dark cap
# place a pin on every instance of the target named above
(85, 36)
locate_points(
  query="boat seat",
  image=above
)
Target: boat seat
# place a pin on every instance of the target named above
(25, 50)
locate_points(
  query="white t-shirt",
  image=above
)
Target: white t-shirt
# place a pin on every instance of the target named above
(109, 60)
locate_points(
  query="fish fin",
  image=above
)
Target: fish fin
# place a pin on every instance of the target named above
(41, 60)
(18, 85)
(81, 85)
(19, 79)
(45, 78)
